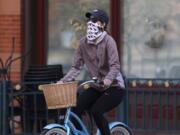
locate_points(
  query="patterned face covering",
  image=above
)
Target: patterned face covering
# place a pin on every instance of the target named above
(93, 30)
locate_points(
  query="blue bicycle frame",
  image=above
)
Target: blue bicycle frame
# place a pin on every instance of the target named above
(69, 126)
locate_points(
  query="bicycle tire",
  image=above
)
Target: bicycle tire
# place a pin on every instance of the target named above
(54, 131)
(120, 130)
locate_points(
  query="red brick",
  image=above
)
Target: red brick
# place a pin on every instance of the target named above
(10, 27)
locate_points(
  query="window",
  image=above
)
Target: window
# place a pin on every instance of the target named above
(67, 23)
(151, 38)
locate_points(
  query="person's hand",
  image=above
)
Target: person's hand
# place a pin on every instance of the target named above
(60, 82)
(107, 82)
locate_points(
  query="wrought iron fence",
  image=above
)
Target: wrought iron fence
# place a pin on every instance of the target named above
(153, 104)
(150, 104)
(3, 107)
(29, 115)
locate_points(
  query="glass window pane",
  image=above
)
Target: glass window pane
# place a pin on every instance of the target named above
(67, 23)
(151, 38)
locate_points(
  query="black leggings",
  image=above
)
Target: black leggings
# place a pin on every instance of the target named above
(98, 103)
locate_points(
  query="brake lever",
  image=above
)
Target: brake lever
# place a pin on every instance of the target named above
(94, 83)
(87, 82)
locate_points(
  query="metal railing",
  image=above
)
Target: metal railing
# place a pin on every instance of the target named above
(150, 104)
(153, 104)
(3, 107)
(32, 110)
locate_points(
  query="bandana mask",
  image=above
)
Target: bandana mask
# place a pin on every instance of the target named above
(93, 31)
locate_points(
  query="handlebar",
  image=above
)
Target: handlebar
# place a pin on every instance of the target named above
(94, 83)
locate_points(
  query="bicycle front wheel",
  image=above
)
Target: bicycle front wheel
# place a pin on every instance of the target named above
(54, 131)
(120, 130)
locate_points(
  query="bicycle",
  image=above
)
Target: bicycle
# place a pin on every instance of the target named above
(68, 128)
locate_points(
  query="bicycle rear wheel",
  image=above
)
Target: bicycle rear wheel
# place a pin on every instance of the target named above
(120, 130)
(54, 131)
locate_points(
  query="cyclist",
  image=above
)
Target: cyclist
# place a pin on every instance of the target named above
(98, 51)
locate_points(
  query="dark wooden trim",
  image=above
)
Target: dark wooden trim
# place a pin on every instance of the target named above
(40, 31)
(22, 37)
(116, 23)
(34, 19)
(29, 33)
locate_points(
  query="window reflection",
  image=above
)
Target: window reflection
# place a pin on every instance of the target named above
(67, 24)
(151, 38)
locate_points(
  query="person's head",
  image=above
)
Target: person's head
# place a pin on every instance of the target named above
(97, 23)
(99, 16)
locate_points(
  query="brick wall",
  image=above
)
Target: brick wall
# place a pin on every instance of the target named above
(10, 27)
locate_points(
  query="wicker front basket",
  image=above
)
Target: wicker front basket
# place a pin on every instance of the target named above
(60, 95)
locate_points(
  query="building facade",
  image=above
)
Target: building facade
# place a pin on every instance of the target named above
(41, 32)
